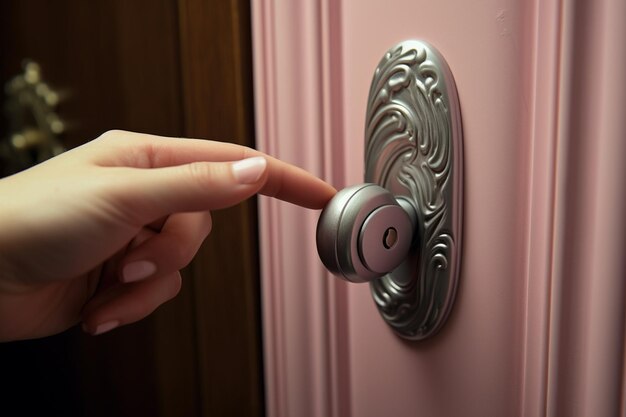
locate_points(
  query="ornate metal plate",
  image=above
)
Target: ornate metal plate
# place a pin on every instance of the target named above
(413, 139)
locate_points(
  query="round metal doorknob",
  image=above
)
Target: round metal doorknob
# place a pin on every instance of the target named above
(364, 232)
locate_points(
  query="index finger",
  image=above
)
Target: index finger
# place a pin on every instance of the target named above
(293, 184)
(284, 181)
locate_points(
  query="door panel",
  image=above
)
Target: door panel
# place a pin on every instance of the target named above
(480, 346)
(533, 315)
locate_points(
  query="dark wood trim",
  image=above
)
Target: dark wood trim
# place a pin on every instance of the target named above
(168, 67)
(216, 74)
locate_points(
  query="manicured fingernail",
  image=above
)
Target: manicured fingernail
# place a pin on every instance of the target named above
(105, 327)
(138, 270)
(249, 171)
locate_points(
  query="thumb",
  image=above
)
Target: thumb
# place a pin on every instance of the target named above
(198, 186)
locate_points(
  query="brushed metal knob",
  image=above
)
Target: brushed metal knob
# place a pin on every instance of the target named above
(364, 232)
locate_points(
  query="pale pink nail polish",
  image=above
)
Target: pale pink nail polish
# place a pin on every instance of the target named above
(138, 270)
(249, 171)
(105, 327)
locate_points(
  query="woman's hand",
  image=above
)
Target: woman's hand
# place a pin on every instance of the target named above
(99, 233)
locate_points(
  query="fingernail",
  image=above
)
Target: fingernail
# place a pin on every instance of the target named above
(138, 270)
(249, 171)
(105, 327)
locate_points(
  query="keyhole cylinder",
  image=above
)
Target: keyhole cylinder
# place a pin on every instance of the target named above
(385, 238)
(390, 238)
(365, 232)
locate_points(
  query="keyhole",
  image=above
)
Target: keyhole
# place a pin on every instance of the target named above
(390, 238)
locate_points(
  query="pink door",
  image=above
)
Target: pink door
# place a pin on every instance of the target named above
(537, 328)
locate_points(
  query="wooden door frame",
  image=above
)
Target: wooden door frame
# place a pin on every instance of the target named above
(175, 68)
(216, 62)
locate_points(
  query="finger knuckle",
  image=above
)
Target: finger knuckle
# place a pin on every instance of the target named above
(174, 286)
(183, 254)
(112, 134)
(199, 172)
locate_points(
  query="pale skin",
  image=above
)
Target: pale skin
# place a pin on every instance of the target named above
(99, 234)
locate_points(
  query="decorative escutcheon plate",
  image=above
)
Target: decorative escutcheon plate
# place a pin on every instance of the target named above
(413, 148)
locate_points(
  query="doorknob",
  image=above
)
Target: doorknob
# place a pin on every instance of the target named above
(401, 230)
(365, 232)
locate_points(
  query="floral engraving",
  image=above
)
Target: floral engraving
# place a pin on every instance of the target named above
(409, 150)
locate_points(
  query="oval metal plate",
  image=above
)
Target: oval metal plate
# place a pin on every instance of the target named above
(413, 147)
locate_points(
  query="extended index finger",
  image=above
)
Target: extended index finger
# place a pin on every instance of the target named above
(290, 183)
(283, 180)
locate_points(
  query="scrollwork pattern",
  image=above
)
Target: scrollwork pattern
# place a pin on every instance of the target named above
(409, 150)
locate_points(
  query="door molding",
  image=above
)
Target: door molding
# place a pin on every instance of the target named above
(575, 310)
(296, 65)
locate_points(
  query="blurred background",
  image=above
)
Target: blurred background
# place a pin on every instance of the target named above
(72, 69)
